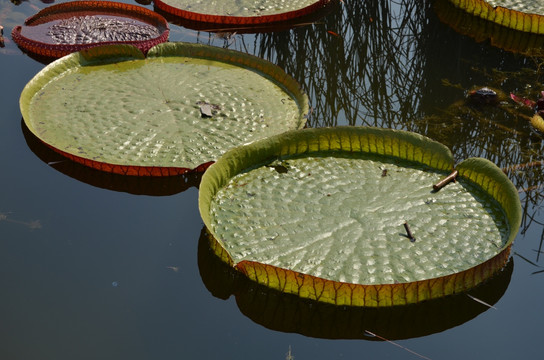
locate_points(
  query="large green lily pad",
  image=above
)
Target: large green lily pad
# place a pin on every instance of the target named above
(321, 213)
(178, 109)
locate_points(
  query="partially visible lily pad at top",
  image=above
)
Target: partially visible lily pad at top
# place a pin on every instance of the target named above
(350, 216)
(527, 16)
(530, 44)
(176, 110)
(235, 12)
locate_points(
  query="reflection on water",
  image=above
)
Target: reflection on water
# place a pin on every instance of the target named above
(138, 185)
(481, 30)
(383, 70)
(360, 66)
(395, 65)
(289, 313)
(389, 63)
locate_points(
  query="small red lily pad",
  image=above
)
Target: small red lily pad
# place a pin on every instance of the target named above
(61, 29)
(233, 12)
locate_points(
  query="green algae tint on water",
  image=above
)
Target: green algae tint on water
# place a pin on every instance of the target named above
(147, 112)
(341, 218)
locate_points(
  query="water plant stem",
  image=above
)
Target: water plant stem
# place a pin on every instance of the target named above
(409, 232)
(445, 181)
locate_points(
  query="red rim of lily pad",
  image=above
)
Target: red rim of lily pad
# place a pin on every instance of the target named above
(87, 8)
(114, 53)
(309, 18)
(136, 185)
(241, 20)
(274, 310)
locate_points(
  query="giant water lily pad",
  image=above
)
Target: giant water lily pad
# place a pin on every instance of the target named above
(481, 29)
(527, 16)
(320, 213)
(68, 27)
(178, 109)
(235, 12)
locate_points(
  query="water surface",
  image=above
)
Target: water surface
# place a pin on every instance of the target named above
(94, 266)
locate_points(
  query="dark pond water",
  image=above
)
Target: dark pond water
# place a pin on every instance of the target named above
(94, 266)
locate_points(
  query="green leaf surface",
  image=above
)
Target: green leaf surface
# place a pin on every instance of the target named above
(340, 218)
(239, 8)
(524, 16)
(331, 204)
(111, 105)
(530, 7)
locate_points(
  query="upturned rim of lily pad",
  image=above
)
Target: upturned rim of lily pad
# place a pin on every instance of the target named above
(117, 54)
(392, 143)
(480, 29)
(509, 18)
(226, 19)
(80, 8)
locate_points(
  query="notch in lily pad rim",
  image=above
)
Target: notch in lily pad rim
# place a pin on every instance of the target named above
(392, 143)
(226, 19)
(116, 54)
(81, 8)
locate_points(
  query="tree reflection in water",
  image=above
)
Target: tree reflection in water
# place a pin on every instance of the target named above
(394, 64)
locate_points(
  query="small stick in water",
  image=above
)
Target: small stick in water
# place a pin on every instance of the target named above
(409, 232)
(445, 181)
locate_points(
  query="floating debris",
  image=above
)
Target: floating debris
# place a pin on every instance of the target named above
(173, 268)
(445, 181)
(208, 110)
(481, 302)
(483, 96)
(289, 355)
(409, 232)
(396, 344)
(32, 225)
